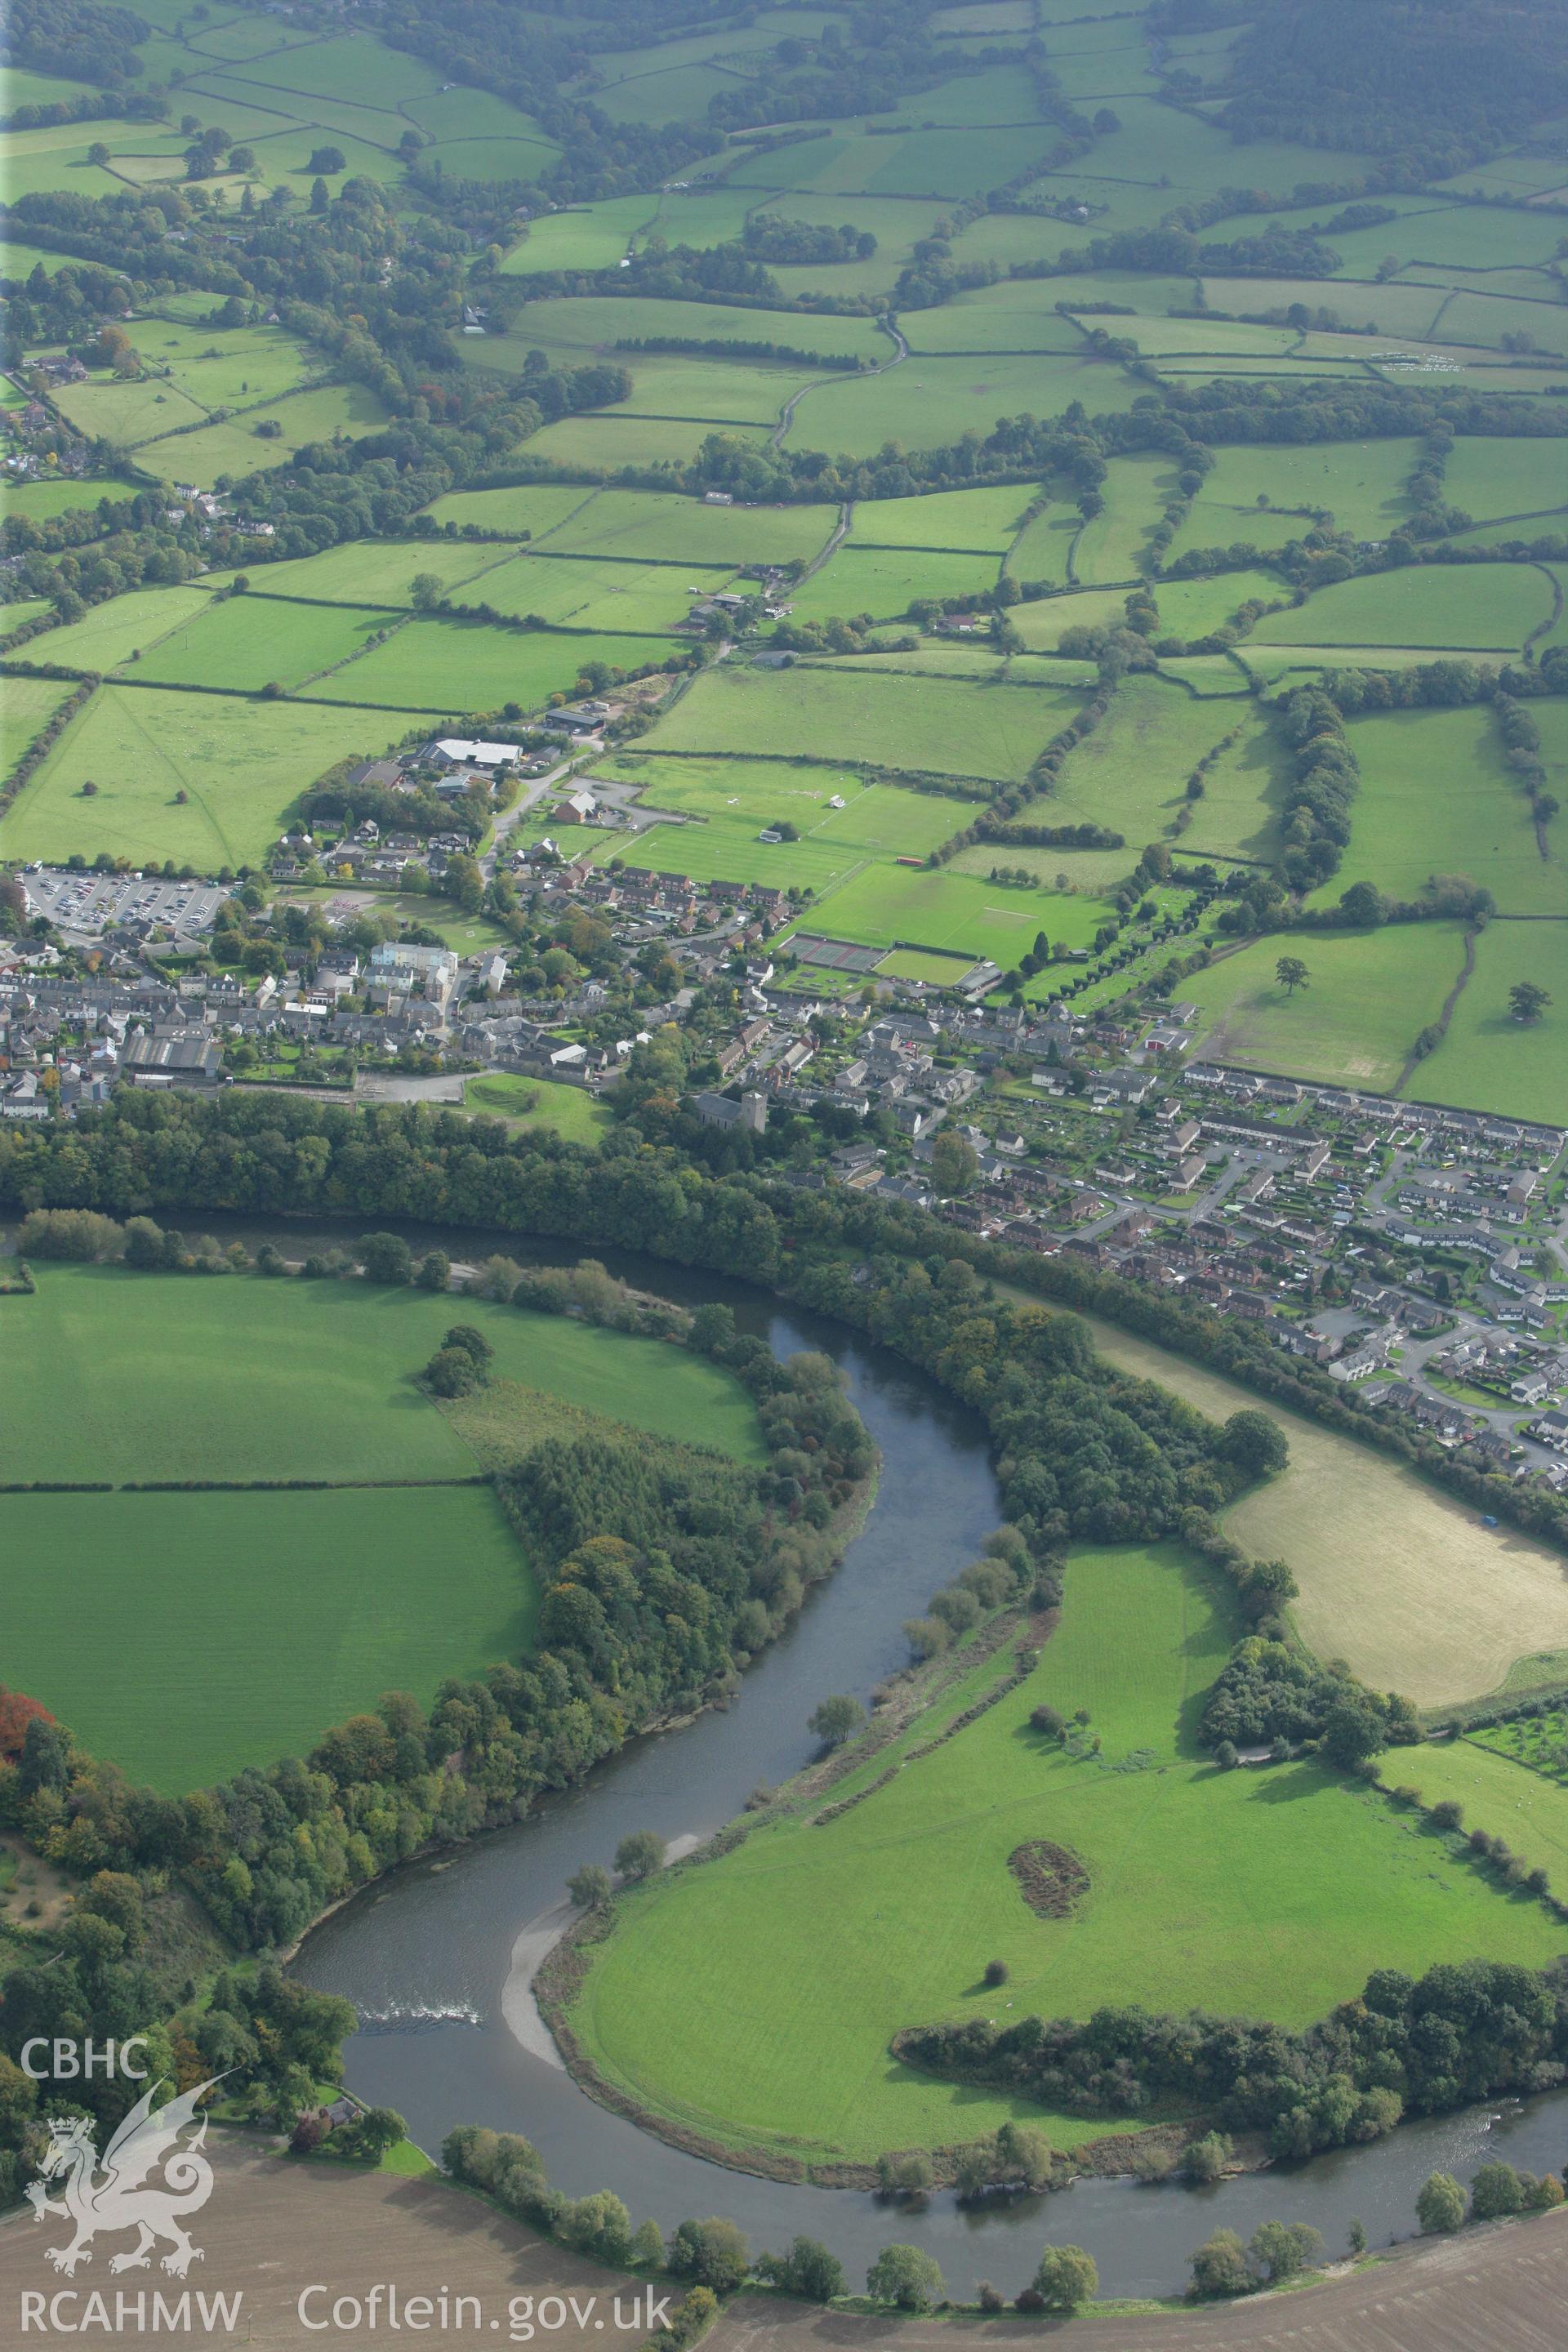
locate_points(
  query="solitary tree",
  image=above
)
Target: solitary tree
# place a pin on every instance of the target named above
(386, 1257)
(1527, 1001)
(640, 1854)
(835, 1719)
(907, 2276)
(1255, 1441)
(1291, 974)
(1219, 2267)
(953, 1165)
(1441, 2203)
(808, 2270)
(1497, 2189)
(424, 590)
(1066, 2276)
(590, 1888)
(1278, 2251)
(714, 2252)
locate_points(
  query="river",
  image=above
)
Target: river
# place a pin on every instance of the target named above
(426, 1955)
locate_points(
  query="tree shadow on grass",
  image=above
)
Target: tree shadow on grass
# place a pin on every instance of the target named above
(1284, 1784)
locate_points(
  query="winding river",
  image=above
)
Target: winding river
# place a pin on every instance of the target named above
(436, 1956)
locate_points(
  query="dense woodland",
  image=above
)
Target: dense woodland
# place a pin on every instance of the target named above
(1479, 2030)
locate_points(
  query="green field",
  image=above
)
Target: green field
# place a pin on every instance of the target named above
(1443, 606)
(885, 582)
(1525, 1808)
(241, 764)
(594, 236)
(984, 520)
(460, 665)
(817, 709)
(958, 912)
(529, 511)
(1437, 797)
(249, 642)
(1513, 476)
(1488, 1061)
(109, 634)
(652, 526)
(142, 1619)
(568, 1111)
(26, 704)
(591, 593)
(607, 440)
(1132, 773)
(39, 500)
(727, 804)
(1360, 484)
(171, 1376)
(149, 1622)
(238, 447)
(1011, 317)
(380, 571)
(1370, 996)
(925, 403)
(719, 2001)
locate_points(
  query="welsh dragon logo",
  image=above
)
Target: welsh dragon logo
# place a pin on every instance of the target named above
(115, 2194)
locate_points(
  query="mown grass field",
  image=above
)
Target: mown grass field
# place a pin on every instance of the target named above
(349, 410)
(879, 820)
(241, 764)
(174, 1376)
(1412, 1591)
(818, 710)
(958, 912)
(1369, 996)
(150, 1622)
(1490, 1061)
(380, 573)
(1135, 492)
(719, 2001)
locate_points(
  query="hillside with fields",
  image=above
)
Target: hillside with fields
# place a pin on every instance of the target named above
(784, 1116)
